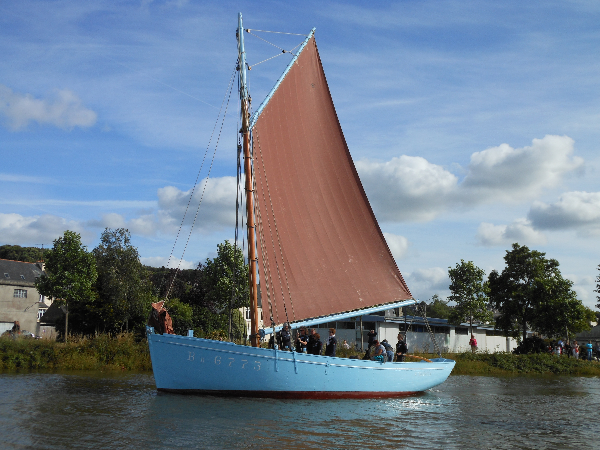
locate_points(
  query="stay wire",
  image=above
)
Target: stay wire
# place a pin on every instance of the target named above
(227, 99)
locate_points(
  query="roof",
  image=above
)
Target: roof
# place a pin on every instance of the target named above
(18, 272)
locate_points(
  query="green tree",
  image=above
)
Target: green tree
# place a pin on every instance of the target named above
(531, 293)
(70, 274)
(559, 312)
(124, 290)
(18, 253)
(470, 294)
(597, 290)
(438, 308)
(181, 315)
(219, 290)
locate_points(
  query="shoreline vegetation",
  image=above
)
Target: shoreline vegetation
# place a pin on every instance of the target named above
(126, 352)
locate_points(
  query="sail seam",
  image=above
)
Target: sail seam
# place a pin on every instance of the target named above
(277, 234)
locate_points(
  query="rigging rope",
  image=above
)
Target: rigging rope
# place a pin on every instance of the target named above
(435, 346)
(283, 51)
(227, 97)
(278, 238)
(248, 30)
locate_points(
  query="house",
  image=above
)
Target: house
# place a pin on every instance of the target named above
(19, 299)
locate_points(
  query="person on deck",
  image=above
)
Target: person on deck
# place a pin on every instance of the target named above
(311, 348)
(401, 348)
(331, 346)
(346, 345)
(317, 344)
(302, 341)
(389, 351)
(576, 350)
(378, 352)
(286, 338)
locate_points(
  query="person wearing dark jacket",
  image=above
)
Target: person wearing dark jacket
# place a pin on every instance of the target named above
(313, 347)
(401, 348)
(286, 338)
(302, 341)
(331, 346)
(371, 335)
(318, 344)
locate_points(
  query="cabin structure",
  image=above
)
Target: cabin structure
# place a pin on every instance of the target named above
(19, 299)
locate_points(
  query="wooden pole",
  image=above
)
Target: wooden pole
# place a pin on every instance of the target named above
(245, 131)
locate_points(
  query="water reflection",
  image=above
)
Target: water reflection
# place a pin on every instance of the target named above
(125, 411)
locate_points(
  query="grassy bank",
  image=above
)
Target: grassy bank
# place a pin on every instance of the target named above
(103, 352)
(124, 352)
(509, 364)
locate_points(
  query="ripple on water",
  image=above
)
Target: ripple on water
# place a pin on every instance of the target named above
(124, 411)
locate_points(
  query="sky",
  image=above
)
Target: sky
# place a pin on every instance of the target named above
(473, 124)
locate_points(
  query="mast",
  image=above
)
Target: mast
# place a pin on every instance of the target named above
(245, 131)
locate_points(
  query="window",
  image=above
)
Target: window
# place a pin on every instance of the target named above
(6, 275)
(461, 330)
(41, 313)
(22, 277)
(441, 330)
(20, 293)
(494, 333)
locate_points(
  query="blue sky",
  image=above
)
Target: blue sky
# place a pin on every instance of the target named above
(473, 125)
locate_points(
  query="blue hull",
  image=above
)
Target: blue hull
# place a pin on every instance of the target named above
(190, 365)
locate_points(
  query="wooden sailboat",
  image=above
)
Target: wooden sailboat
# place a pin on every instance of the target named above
(319, 251)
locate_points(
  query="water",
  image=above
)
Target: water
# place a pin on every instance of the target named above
(76, 411)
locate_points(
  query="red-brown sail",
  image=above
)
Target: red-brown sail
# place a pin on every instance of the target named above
(321, 244)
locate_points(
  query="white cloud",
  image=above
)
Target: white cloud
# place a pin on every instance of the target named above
(64, 110)
(506, 174)
(410, 188)
(12, 178)
(519, 231)
(424, 283)
(160, 261)
(406, 188)
(37, 230)
(217, 207)
(573, 210)
(398, 245)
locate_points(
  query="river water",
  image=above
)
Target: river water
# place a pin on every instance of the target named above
(123, 411)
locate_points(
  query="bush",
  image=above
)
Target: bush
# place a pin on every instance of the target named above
(533, 344)
(103, 352)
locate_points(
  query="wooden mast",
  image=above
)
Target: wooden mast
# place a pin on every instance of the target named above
(245, 131)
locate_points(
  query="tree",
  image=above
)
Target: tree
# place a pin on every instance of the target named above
(438, 308)
(220, 289)
(597, 290)
(469, 293)
(531, 293)
(124, 290)
(18, 253)
(70, 274)
(181, 315)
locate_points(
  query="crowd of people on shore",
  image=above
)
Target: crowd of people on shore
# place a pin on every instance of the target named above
(309, 341)
(586, 351)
